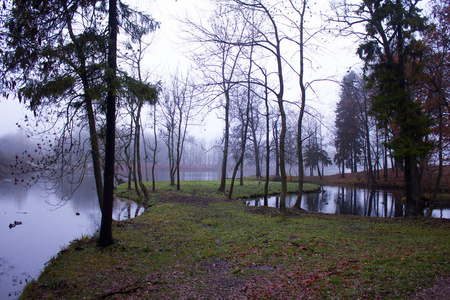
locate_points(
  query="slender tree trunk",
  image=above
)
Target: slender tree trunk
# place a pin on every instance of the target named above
(277, 153)
(257, 162)
(154, 151)
(255, 145)
(440, 154)
(95, 151)
(243, 143)
(266, 103)
(369, 155)
(241, 177)
(131, 163)
(280, 101)
(282, 155)
(180, 142)
(223, 176)
(235, 170)
(178, 150)
(146, 155)
(171, 145)
(134, 170)
(137, 139)
(128, 158)
(298, 202)
(93, 137)
(106, 238)
(385, 167)
(266, 182)
(244, 131)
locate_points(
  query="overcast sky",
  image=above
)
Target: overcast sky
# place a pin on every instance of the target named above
(165, 55)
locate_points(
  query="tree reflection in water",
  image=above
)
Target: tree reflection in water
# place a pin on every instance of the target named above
(351, 201)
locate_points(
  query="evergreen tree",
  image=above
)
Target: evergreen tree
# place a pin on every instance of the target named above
(348, 135)
(390, 45)
(59, 58)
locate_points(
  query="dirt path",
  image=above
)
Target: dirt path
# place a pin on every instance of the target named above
(441, 290)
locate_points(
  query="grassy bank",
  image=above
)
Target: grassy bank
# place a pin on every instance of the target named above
(196, 245)
(251, 189)
(394, 179)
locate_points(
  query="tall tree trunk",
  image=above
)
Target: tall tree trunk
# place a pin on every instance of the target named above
(93, 137)
(280, 101)
(255, 145)
(137, 139)
(106, 238)
(276, 144)
(266, 182)
(282, 155)
(131, 163)
(318, 170)
(223, 176)
(369, 154)
(266, 103)
(134, 170)
(128, 159)
(154, 151)
(298, 202)
(241, 177)
(95, 151)
(171, 145)
(243, 143)
(440, 154)
(385, 167)
(180, 140)
(244, 131)
(146, 155)
(412, 184)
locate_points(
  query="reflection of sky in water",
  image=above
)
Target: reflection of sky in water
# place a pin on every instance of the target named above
(45, 229)
(351, 201)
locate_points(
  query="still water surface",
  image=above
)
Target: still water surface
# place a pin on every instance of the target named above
(350, 201)
(46, 228)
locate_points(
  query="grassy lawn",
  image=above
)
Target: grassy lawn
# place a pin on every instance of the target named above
(251, 188)
(196, 245)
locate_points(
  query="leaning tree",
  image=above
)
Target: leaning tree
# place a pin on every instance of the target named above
(59, 57)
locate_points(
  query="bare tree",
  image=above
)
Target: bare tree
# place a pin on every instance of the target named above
(243, 116)
(180, 108)
(219, 61)
(270, 40)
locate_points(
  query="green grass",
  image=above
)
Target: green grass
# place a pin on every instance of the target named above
(201, 188)
(202, 246)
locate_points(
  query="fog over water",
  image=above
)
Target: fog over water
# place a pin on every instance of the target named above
(43, 228)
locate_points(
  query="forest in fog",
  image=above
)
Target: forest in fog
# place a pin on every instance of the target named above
(253, 80)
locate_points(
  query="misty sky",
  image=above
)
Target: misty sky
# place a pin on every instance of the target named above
(166, 55)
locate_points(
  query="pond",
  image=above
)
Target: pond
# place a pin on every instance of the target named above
(350, 201)
(44, 227)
